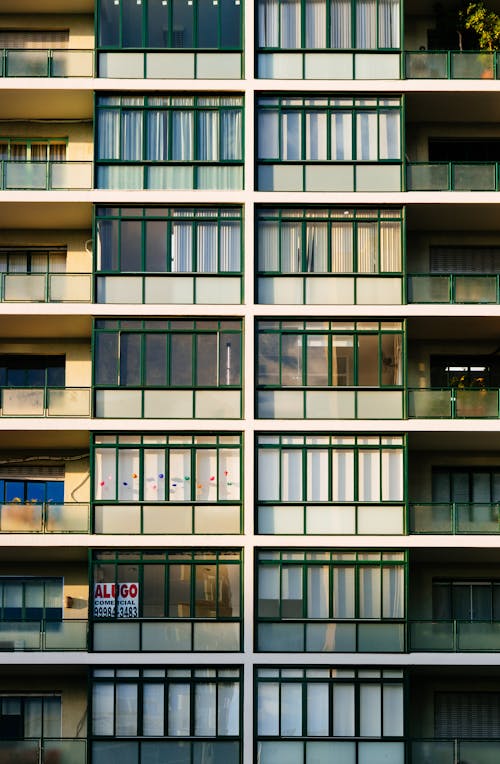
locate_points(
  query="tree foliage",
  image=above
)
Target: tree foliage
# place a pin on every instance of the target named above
(485, 24)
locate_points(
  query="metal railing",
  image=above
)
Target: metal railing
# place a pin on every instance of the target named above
(450, 65)
(64, 517)
(452, 176)
(453, 403)
(454, 636)
(45, 175)
(47, 62)
(44, 751)
(448, 751)
(43, 635)
(46, 287)
(454, 288)
(454, 517)
(45, 401)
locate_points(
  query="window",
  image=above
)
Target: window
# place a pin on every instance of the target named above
(329, 354)
(176, 24)
(31, 491)
(465, 485)
(321, 704)
(328, 128)
(32, 150)
(334, 240)
(166, 141)
(312, 483)
(31, 599)
(174, 711)
(167, 600)
(465, 715)
(466, 600)
(464, 372)
(323, 601)
(32, 260)
(168, 353)
(176, 240)
(32, 370)
(189, 483)
(466, 259)
(29, 716)
(339, 24)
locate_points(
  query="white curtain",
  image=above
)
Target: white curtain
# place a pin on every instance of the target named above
(370, 710)
(268, 23)
(390, 247)
(393, 704)
(366, 24)
(157, 135)
(342, 248)
(388, 23)
(316, 248)
(153, 712)
(126, 710)
(228, 711)
(291, 248)
(389, 138)
(229, 474)
(316, 135)
(341, 136)
(182, 248)
(344, 710)
(128, 466)
(180, 474)
(342, 475)
(392, 475)
(317, 475)
(105, 474)
(268, 245)
(131, 138)
(182, 135)
(208, 135)
(154, 466)
(267, 708)
(178, 710)
(291, 710)
(103, 709)
(206, 474)
(291, 475)
(368, 248)
(229, 247)
(206, 246)
(269, 474)
(370, 605)
(343, 592)
(205, 709)
(290, 23)
(393, 601)
(108, 134)
(231, 134)
(340, 24)
(318, 591)
(369, 475)
(315, 23)
(317, 709)
(367, 136)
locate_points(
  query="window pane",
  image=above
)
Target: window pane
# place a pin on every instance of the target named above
(131, 137)
(205, 710)
(130, 360)
(393, 705)
(156, 246)
(178, 710)
(315, 23)
(126, 709)
(181, 360)
(291, 710)
(318, 594)
(368, 360)
(107, 245)
(206, 592)
(343, 710)
(341, 136)
(316, 134)
(158, 14)
(131, 24)
(291, 592)
(157, 135)
(230, 359)
(393, 593)
(106, 359)
(317, 475)
(317, 360)
(179, 591)
(229, 591)
(291, 135)
(342, 361)
(268, 359)
(153, 709)
(182, 248)
(153, 605)
(268, 708)
(269, 474)
(342, 475)
(290, 23)
(369, 475)
(291, 360)
(269, 591)
(155, 370)
(317, 709)
(228, 709)
(344, 592)
(268, 135)
(291, 475)
(182, 18)
(370, 710)
(206, 360)
(369, 593)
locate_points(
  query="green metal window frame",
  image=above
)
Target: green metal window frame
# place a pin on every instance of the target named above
(330, 105)
(197, 329)
(309, 329)
(160, 677)
(195, 104)
(307, 677)
(170, 26)
(309, 444)
(447, 584)
(7, 253)
(327, 30)
(331, 217)
(196, 217)
(28, 142)
(305, 559)
(111, 561)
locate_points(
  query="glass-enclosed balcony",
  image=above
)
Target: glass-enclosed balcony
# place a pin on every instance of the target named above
(46, 287)
(447, 751)
(45, 175)
(43, 635)
(454, 636)
(46, 63)
(454, 517)
(450, 65)
(452, 176)
(45, 401)
(43, 751)
(454, 288)
(453, 403)
(32, 517)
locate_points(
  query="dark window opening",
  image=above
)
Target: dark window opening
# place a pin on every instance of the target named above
(32, 370)
(464, 149)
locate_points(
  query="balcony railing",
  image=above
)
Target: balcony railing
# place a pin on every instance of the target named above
(46, 63)
(43, 751)
(341, 636)
(46, 287)
(454, 517)
(339, 518)
(168, 288)
(45, 401)
(330, 403)
(330, 289)
(446, 751)
(166, 635)
(453, 403)
(70, 517)
(167, 517)
(43, 635)
(454, 636)
(45, 176)
(451, 64)
(454, 289)
(452, 176)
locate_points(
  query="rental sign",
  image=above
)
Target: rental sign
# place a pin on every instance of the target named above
(116, 600)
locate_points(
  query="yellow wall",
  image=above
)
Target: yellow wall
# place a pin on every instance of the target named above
(81, 28)
(79, 260)
(75, 582)
(78, 135)
(77, 352)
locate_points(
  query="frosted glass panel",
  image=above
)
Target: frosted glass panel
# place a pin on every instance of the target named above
(269, 476)
(342, 475)
(343, 710)
(291, 476)
(370, 710)
(317, 709)
(317, 475)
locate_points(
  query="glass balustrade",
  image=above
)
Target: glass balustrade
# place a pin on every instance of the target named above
(69, 517)
(46, 287)
(43, 751)
(454, 518)
(450, 64)
(452, 176)
(453, 403)
(43, 176)
(46, 63)
(453, 288)
(45, 401)
(43, 635)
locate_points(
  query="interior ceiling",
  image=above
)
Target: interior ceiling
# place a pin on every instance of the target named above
(460, 107)
(45, 327)
(54, 104)
(453, 217)
(465, 555)
(442, 440)
(47, 6)
(46, 215)
(455, 328)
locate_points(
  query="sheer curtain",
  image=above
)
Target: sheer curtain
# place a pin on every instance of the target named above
(206, 246)
(367, 136)
(367, 248)
(231, 134)
(157, 135)
(388, 20)
(342, 247)
(392, 587)
(389, 138)
(108, 134)
(369, 475)
(181, 248)
(316, 248)
(291, 248)
(208, 135)
(366, 23)
(182, 135)
(392, 475)
(390, 248)
(268, 23)
(342, 475)
(291, 475)
(290, 23)
(230, 247)
(341, 136)
(318, 592)
(315, 23)
(268, 244)
(317, 475)
(131, 137)
(316, 135)
(340, 24)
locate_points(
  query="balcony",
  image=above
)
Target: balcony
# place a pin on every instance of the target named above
(45, 401)
(453, 403)
(43, 751)
(450, 65)
(452, 176)
(46, 63)
(454, 289)
(46, 287)
(45, 176)
(43, 635)
(70, 517)
(454, 518)
(446, 751)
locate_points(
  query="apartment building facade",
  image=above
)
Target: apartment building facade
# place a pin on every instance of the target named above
(249, 384)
